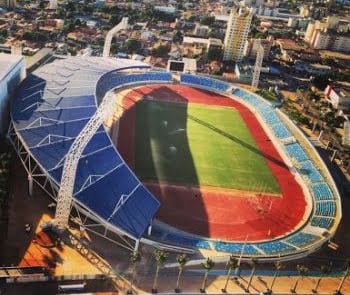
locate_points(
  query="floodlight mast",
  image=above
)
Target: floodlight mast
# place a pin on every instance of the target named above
(123, 25)
(258, 64)
(65, 194)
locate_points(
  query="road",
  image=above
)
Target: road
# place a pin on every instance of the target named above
(47, 288)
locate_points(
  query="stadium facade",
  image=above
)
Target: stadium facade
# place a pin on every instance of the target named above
(12, 72)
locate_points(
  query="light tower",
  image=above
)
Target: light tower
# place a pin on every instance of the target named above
(258, 64)
(123, 25)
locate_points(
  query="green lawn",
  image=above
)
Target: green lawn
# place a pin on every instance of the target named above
(198, 145)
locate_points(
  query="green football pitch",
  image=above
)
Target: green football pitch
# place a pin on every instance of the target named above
(198, 145)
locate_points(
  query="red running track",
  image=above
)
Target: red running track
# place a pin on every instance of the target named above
(216, 213)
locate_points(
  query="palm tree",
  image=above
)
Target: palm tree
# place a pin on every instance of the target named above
(134, 257)
(338, 291)
(181, 259)
(160, 256)
(254, 262)
(207, 265)
(232, 264)
(278, 267)
(303, 270)
(325, 269)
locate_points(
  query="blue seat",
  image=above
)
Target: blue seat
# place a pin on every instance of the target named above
(206, 82)
(281, 131)
(321, 191)
(323, 222)
(274, 247)
(325, 208)
(301, 239)
(236, 248)
(295, 151)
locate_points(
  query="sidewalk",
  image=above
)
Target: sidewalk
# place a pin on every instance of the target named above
(192, 284)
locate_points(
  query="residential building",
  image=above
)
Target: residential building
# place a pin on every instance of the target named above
(237, 33)
(304, 11)
(53, 4)
(332, 41)
(312, 29)
(8, 3)
(201, 30)
(292, 51)
(252, 45)
(339, 97)
(202, 43)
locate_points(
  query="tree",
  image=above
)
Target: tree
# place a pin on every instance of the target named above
(161, 51)
(207, 20)
(34, 36)
(325, 269)
(232, 264)
(181, 259)
(178, 37)
(313, 96)
(160, 256)
(3, 33)
(114, 19)
(134, 258)
(254, 262)
(77, 22)
(338, 291)
(302, 270)
(132, 45)
(321, 81)
(215, 54)
(207, 265)
(70, 6)
(278, 267)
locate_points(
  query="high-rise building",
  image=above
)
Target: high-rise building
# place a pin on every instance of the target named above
(8, 3)
(253, 44)
(237, 33)
(53, 4)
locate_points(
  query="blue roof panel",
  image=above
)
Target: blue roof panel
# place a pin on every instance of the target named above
(50, 109)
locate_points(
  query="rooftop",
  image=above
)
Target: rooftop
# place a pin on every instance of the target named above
(7, 63)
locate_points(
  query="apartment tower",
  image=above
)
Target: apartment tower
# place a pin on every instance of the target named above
(237, 33)
(8, 3)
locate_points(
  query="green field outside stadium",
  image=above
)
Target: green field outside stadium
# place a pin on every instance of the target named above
(198, 145)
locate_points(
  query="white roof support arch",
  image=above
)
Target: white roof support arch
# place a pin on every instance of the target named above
(65, 194)
(123, 25)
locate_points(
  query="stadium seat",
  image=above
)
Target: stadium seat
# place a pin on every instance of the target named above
(321, 191)
(206, 82)
(235, 248)
(325, 208)
(323, 222)
(308, 170)
(274, 247)
(295, 151)
(301, 239)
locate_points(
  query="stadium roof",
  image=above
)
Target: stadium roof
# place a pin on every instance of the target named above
(50, 109)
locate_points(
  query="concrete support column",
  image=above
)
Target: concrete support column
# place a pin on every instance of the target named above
(321, 133)
(333, 156)
(137, 243)
(149, 230)
(30, 184)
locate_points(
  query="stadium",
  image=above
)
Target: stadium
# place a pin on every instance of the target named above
(175, 160)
